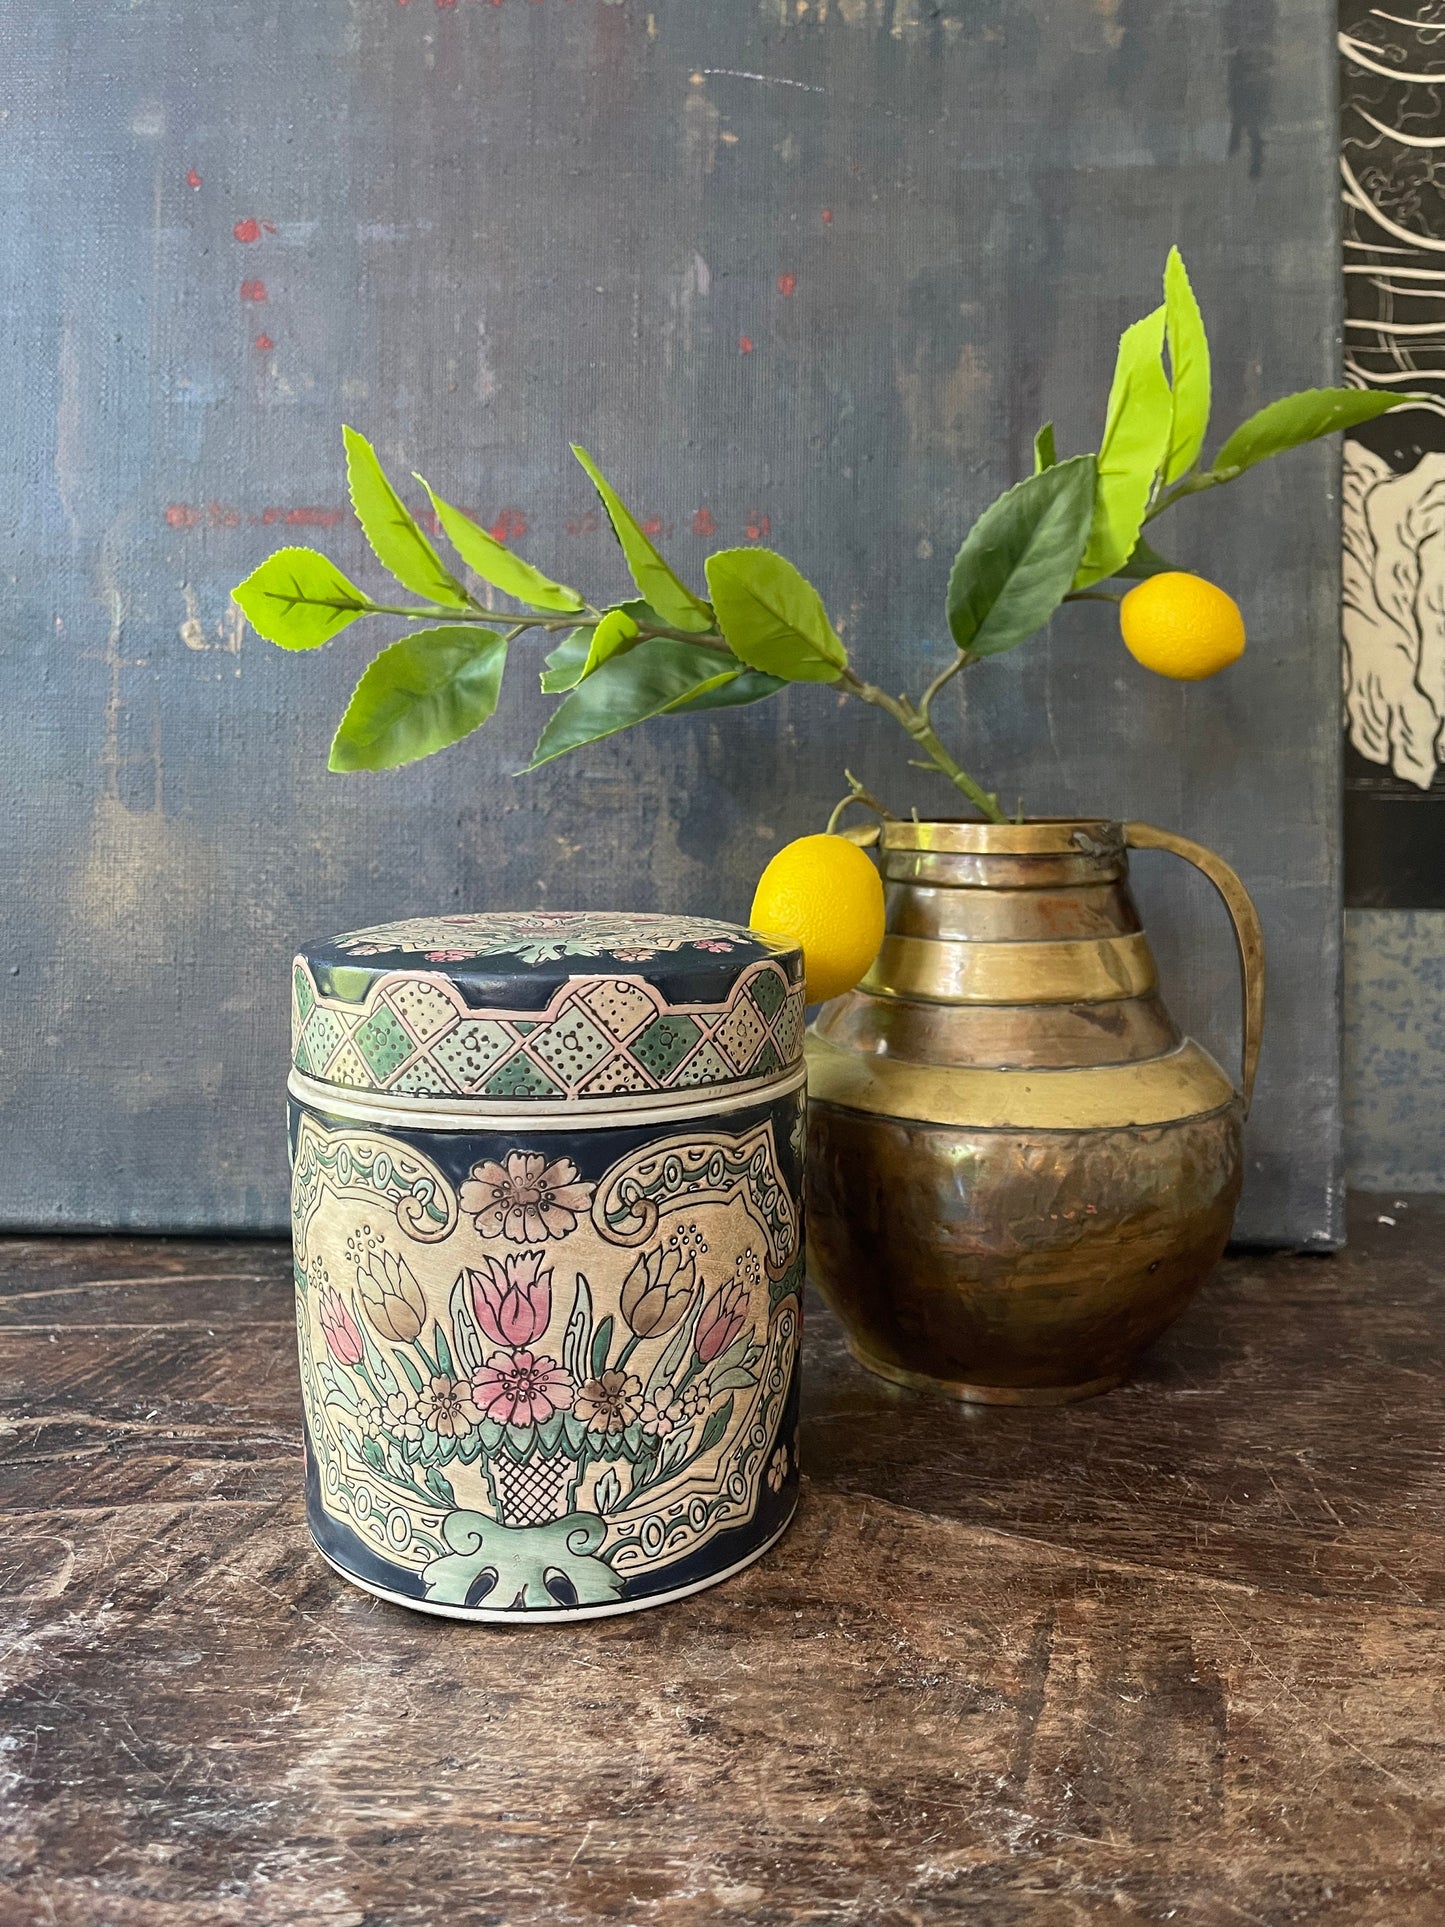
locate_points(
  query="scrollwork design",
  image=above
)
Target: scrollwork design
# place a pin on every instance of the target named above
(709, 1168)
(358, 1164)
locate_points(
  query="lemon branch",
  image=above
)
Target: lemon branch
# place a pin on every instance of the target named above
(915, 721)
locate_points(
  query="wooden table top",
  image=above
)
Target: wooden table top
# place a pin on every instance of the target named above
(1170, 1656)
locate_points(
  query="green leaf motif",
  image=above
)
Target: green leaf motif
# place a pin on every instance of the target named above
(494, 562)
(1189, 367)
(386, 522)
(1305, 417)
(1045, 454)
(674, 602)
(424, 692)
(1136, 436)
(601, 1345)
(773, 617)
(1018, 559)
(299, 599)
(656, 677)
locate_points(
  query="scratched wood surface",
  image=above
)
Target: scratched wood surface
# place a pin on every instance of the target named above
(1172, 1656)
(801, 273)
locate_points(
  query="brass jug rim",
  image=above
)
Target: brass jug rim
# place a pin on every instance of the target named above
(1035, 836)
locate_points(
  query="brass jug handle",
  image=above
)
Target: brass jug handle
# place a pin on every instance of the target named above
(1247, 931)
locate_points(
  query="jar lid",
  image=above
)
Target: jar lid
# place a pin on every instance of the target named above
(553, 1008)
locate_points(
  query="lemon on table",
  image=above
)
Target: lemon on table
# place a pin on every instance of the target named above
(1181, 626)
(824, 893)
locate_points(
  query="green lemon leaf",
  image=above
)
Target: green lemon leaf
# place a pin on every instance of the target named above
(731, 692)
(494, 562)
(1045, 454)
(657, 676)
(298, 599)
(1018, 559)
(773, 617)
(1295, 419)
(614, 635)
(1136, 435)
(386, 522)
(426, 691)
(674, 602)
(1189, 366)
(564, 665)
(1145, 562)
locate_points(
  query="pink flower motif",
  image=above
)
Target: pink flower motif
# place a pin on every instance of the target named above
(711, 943)
(633, 956)
(526, 1200)
(339, 1328)
(512, 1297)
(518, 1389)
(448, 956)
(723, 1317)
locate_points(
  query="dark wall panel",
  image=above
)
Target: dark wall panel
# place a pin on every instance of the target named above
(806, 273)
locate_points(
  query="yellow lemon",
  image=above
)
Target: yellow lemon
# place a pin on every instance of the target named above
(1182, 626)
(824, 893)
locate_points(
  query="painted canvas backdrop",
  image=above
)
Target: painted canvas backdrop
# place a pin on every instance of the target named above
(802, 274)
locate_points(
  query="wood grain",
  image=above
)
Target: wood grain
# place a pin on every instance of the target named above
(1172, 1656)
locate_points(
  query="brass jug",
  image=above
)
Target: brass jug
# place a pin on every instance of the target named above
(1019, 1171)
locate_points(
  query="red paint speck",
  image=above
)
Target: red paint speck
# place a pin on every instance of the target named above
(786, 284)
(444, 5)
(193, 179)
(306, 518)
(703, 523)
(180, 515)
(510, 524)
(827, 217)
(265, 344)
(652, 526)
(253, 290)
(583, 524)
(745, 344)
(758, 525)
(247, 230)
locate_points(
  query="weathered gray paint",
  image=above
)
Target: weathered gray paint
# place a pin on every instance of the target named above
(500, 226)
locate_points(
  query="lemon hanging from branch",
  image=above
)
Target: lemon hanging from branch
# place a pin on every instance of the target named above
(824, 893)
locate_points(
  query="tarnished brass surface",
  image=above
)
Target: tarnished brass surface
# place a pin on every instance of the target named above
(952, 971)
(1004, 1036)
(986, 915)
(1158, 1090)
(1018, 1171)
(1014, 1265)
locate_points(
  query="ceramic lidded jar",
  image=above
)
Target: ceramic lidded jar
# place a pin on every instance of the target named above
(547, 1213)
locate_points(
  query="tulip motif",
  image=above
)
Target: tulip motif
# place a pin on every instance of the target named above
(658, 1290)
(512, 1297)
(392, 1297)
(723, 1317)
(339, 1328)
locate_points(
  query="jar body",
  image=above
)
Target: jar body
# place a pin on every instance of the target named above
(549, 1367)
(1019, 1170)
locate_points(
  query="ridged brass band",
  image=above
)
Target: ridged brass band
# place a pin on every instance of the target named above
(995, 916)
(1043, 836)
(1125, 1030)
(981, 870)
(1163, 1090)
(1096, 970)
